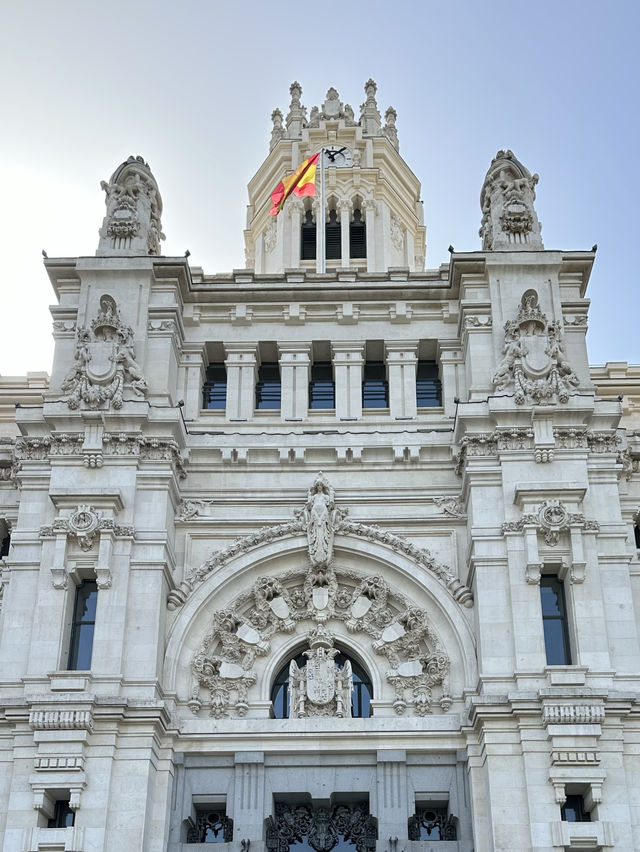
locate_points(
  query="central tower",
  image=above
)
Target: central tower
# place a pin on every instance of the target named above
(372, 215)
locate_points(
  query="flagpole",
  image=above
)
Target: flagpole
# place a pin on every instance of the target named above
(320, 223)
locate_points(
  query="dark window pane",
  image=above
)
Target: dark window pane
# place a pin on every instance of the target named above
(375, 388)
(322, 386)
(333, 237)
(554, 622)
(268, 388)
(636, 535)
(5, 545)
(573, 810)
(308, 237)
(214, 392)
(63, 816)
(357, 236)
(84, 617)
(428, 385)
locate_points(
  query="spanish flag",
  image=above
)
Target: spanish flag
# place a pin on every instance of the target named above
(301, 182)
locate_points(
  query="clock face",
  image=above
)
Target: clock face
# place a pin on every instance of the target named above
(337, 156)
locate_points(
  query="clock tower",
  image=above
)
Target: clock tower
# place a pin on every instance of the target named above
(372, 213)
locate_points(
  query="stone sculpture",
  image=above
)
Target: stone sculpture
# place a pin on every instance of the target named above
(320, 687)
(509, 219)
(104, 361)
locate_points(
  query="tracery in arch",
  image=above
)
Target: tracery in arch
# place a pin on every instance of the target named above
(327, 602)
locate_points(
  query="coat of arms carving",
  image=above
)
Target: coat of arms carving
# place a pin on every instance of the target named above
(104, 361)
(534, 361)
(321, 687)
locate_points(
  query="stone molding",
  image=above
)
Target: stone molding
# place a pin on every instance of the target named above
(573, 714)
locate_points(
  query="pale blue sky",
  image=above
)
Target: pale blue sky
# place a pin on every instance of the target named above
(191, 85)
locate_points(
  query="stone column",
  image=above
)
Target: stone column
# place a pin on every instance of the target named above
(369, 206)
(345, 207)
(295, 209)
(248, 807)
(294, 375)
(241, 364)
(194, 377)
(348, 359)
(402, 360)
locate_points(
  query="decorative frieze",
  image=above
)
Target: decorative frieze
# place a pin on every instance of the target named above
(59, 763)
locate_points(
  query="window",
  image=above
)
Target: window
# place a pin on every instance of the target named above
(5, 544)
(333, 237)
(432, 823)
(357, 236)
(268, 388)
(636, 535)
(214, 392)
(574, 810)
(360, 697)
(554, 621)
(308, 237)
(63, 816)
(428, 385)
(322, 389)
(212, 825)
(84, 619)
(375, 388)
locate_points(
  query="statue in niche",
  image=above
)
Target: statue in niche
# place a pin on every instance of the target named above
(320, 517)
(320, 687)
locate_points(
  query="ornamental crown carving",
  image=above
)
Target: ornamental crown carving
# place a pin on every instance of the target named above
(132, 223)
(534, 361)
(509, 220)
(105, 360)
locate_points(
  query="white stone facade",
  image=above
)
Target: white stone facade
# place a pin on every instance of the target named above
(393, 539)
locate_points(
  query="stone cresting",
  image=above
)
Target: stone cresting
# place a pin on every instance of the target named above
(534, 362)
(320, 519)
(104, 362)
(222, 668)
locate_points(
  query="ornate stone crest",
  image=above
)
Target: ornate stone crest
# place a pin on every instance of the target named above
(534, 361)
(509, 219)
(321, 687)
(132, 223)
(104, 361)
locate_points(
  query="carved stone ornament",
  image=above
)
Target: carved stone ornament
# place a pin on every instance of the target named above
(397, 232)
(320, 687)
(551, 519)
(320, 519)
(324, 828)
(534, 362)
(222, 668)
(271, 236)
(104, 362)
(452, 506)
(132, 223)
(509, 220)
(84, 524)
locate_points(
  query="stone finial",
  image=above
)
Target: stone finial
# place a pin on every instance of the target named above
(369, 114)
(278, 131)
(509, 220)
(297, 115)
(389, 129)
(132, 223)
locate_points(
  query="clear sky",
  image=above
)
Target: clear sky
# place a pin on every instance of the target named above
(190, 86)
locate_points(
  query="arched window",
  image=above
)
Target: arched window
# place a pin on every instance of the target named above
(357, 235)
(333, 237)
(360, 698)
(308, 237)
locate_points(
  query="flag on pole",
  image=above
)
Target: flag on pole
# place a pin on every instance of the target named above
(301, 182)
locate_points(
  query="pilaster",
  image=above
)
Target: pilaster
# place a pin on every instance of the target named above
(402, 360)
(294, 375)
(348, 360)
(241, 363)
